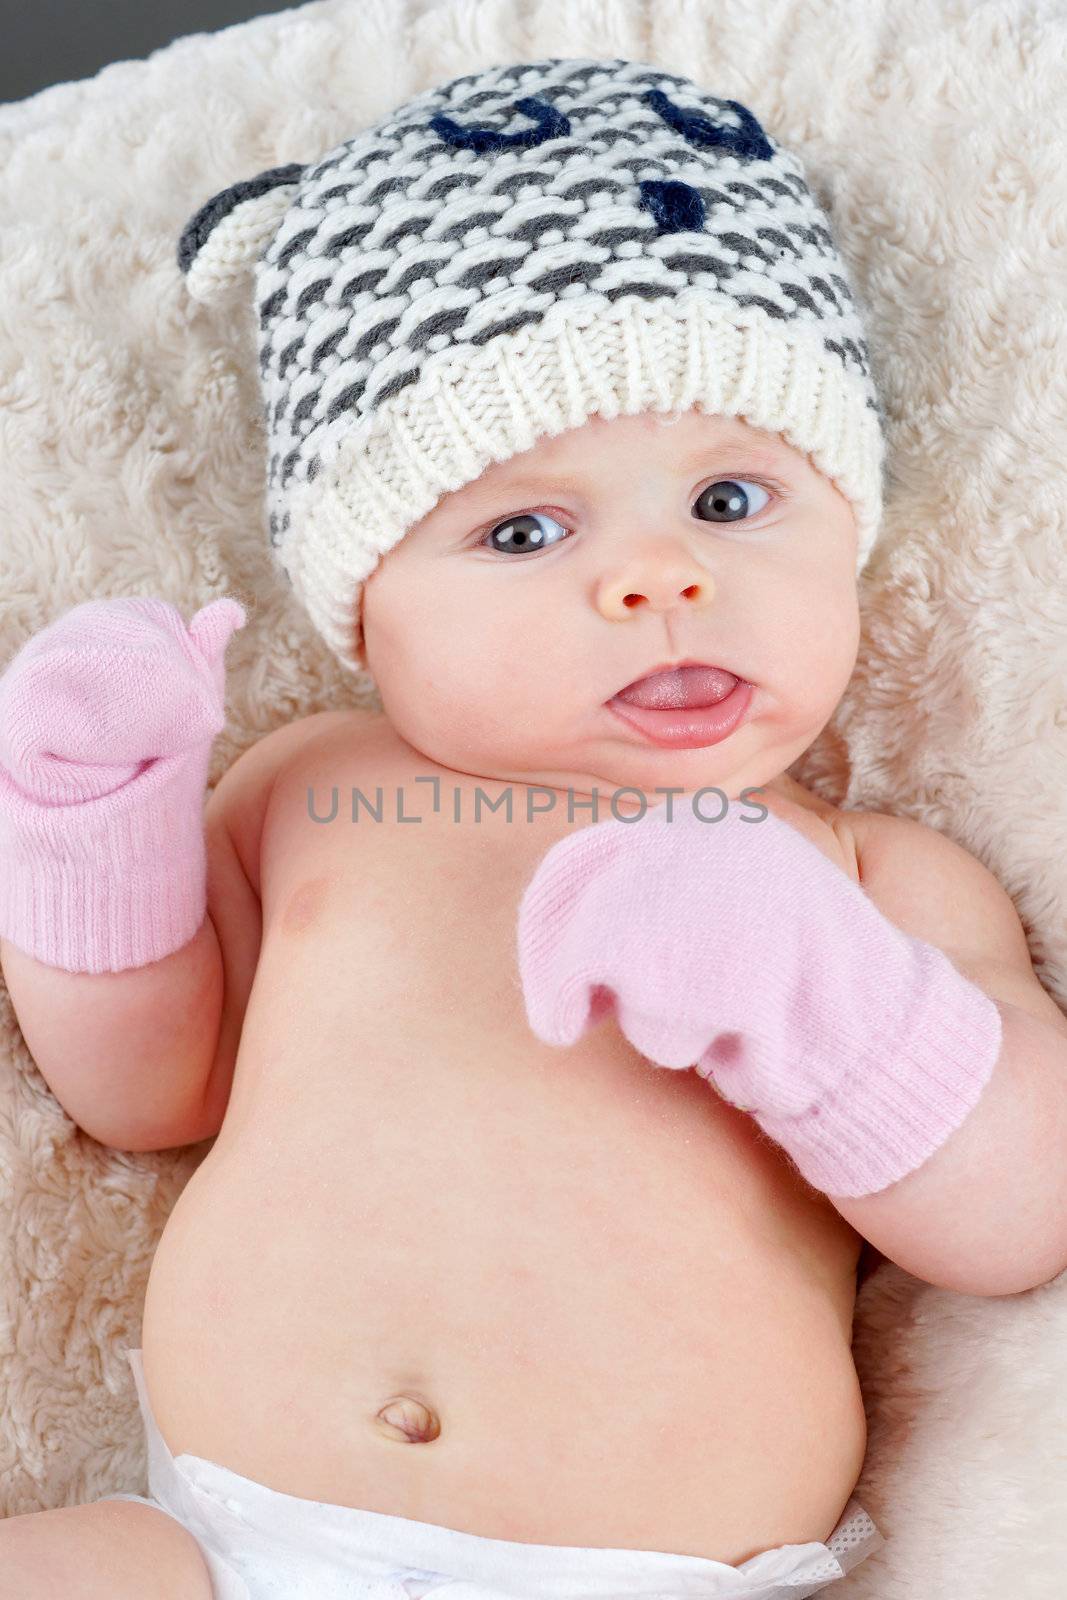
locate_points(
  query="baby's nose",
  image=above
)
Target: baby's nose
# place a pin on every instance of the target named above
(657, 582)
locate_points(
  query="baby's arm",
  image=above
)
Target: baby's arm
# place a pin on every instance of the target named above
(143, 1059)
(126, 1054)
(114, 965)
(850, 1028)
(987, 1213)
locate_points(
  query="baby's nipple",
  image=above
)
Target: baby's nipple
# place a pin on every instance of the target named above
(408, 1420)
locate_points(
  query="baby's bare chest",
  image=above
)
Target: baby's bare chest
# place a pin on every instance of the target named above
(388, 995)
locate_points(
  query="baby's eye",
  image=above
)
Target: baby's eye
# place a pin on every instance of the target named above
(521, 533)
(726, 499)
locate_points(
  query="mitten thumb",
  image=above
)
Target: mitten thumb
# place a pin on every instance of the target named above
(210, 630)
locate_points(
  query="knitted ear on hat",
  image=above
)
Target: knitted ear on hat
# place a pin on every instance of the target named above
(220, 244)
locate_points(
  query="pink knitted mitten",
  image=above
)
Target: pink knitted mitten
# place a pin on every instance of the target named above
(738, 947)
(107, 719)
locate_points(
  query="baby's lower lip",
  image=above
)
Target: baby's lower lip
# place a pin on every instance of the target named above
(691, 728)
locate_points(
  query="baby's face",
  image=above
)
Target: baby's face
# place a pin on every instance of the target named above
(503, 623)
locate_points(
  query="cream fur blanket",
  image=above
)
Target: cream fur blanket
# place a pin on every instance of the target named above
(131, 463)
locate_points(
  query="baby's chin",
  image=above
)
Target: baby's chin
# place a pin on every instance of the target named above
(627, 781)
(723, 769)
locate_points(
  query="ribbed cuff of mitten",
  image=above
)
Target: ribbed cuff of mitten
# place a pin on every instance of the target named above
(901, 1101)
(110, 883)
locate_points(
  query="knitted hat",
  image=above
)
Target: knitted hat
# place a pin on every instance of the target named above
(502, 258)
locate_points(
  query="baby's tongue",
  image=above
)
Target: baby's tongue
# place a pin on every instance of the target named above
(682, 686)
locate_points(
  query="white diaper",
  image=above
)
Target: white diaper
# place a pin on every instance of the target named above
(263, 1545)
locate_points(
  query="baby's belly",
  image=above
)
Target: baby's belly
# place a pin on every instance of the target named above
(622, 1318)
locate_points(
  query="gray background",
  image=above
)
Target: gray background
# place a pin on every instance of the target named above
(55, 41)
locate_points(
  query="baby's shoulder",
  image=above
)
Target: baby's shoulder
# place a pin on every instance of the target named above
(898, 851)
(333, 733)
(873, 833)
(903, 864)
(885, 843)
(936, 890)
(238, 804)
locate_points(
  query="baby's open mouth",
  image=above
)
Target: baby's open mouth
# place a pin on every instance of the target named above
(687, 685)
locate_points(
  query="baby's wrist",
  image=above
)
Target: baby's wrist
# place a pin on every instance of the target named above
(106, 884)
(882, 1101)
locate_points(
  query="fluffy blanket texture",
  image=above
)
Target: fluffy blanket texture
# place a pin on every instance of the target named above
(131, 462)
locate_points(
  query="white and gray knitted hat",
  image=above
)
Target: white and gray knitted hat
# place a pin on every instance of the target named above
(502, 258)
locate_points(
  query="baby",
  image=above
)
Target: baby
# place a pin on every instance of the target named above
(469, 1293)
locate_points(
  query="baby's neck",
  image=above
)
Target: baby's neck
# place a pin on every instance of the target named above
(787, 787)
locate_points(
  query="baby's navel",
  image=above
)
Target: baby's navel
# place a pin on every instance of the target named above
(408, 1420)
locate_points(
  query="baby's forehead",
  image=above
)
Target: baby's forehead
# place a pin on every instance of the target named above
(677, 438)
